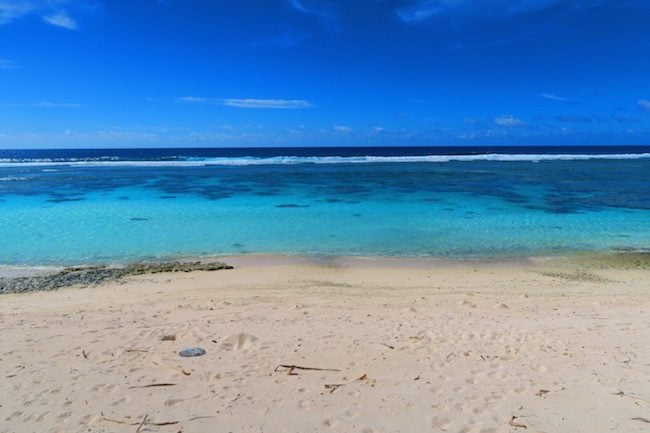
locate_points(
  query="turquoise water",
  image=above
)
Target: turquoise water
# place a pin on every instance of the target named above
(64, 212)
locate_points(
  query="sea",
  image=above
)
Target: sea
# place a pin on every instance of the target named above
(101, 206)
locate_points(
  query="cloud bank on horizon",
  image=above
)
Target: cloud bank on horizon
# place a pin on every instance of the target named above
(323, 72)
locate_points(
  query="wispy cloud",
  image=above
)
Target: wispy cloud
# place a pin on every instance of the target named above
(10, 10)
(247, 102)
(342, 129)
(267, 103)
(42, 104)
(49, 10)
(8, 64)
(57, 105)
(61, 19)
(624, 119)
(194, 100)
(327, 12)
(286, 39)
(553, 97)
(644, 104)
(422, 10)
(508, 120)
(573, 118)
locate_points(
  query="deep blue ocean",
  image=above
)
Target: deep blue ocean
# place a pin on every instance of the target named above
(118, 205)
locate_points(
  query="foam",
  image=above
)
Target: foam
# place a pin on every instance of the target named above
(296, 160)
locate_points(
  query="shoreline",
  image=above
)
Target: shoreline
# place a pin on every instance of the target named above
(636, 259)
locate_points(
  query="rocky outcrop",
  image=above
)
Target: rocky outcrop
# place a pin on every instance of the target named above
(94, 275)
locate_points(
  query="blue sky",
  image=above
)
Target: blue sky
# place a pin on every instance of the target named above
(143, 73)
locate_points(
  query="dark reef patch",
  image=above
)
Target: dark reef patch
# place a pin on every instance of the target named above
(291, 206)
(64, 199)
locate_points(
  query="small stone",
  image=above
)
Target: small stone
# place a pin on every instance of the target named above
(192, 351)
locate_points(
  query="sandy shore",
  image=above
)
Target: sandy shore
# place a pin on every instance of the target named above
(405, 346)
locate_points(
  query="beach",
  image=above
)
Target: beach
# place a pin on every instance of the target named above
(335, 344)
(310, 216)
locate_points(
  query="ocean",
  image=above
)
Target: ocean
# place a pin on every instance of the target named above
(64, 207)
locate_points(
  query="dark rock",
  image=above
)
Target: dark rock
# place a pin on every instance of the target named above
(95, 275)
(192, 351)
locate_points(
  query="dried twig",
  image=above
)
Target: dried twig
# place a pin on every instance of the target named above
(148, 422)
(142, 423)
(177, 368)
(291, 368)
(181, 369)
(163, 423)
(516, 424)
(334, 386)
(543, 392)
(201, 417)
(638, 418)
(388, 345)
(622, 394)
(117, 421)
(84, 354)
(152, 385)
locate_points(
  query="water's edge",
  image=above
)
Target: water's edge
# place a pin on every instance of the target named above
(626, 260)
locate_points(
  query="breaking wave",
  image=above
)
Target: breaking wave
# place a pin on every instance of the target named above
(295, 160)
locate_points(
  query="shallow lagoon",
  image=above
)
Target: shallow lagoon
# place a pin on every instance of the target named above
(63, 213)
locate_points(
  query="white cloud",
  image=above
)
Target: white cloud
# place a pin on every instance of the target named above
(267, 103)
(303, 8)
(342, 129)
(508, 120)
(644, 104)
(44, 104)
(247, 102)
(553, 97)
(193, 100)
(8, 64)
(57, 105)
(12, 9)
(422, 10)
(61, 19)
(49, 10)
(326, 11)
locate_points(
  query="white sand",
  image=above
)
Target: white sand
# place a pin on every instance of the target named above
(440, 347)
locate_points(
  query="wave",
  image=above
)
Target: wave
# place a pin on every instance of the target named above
(295, 160)
(13, 179)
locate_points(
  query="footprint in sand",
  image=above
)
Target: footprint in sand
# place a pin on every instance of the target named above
(239, 341)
